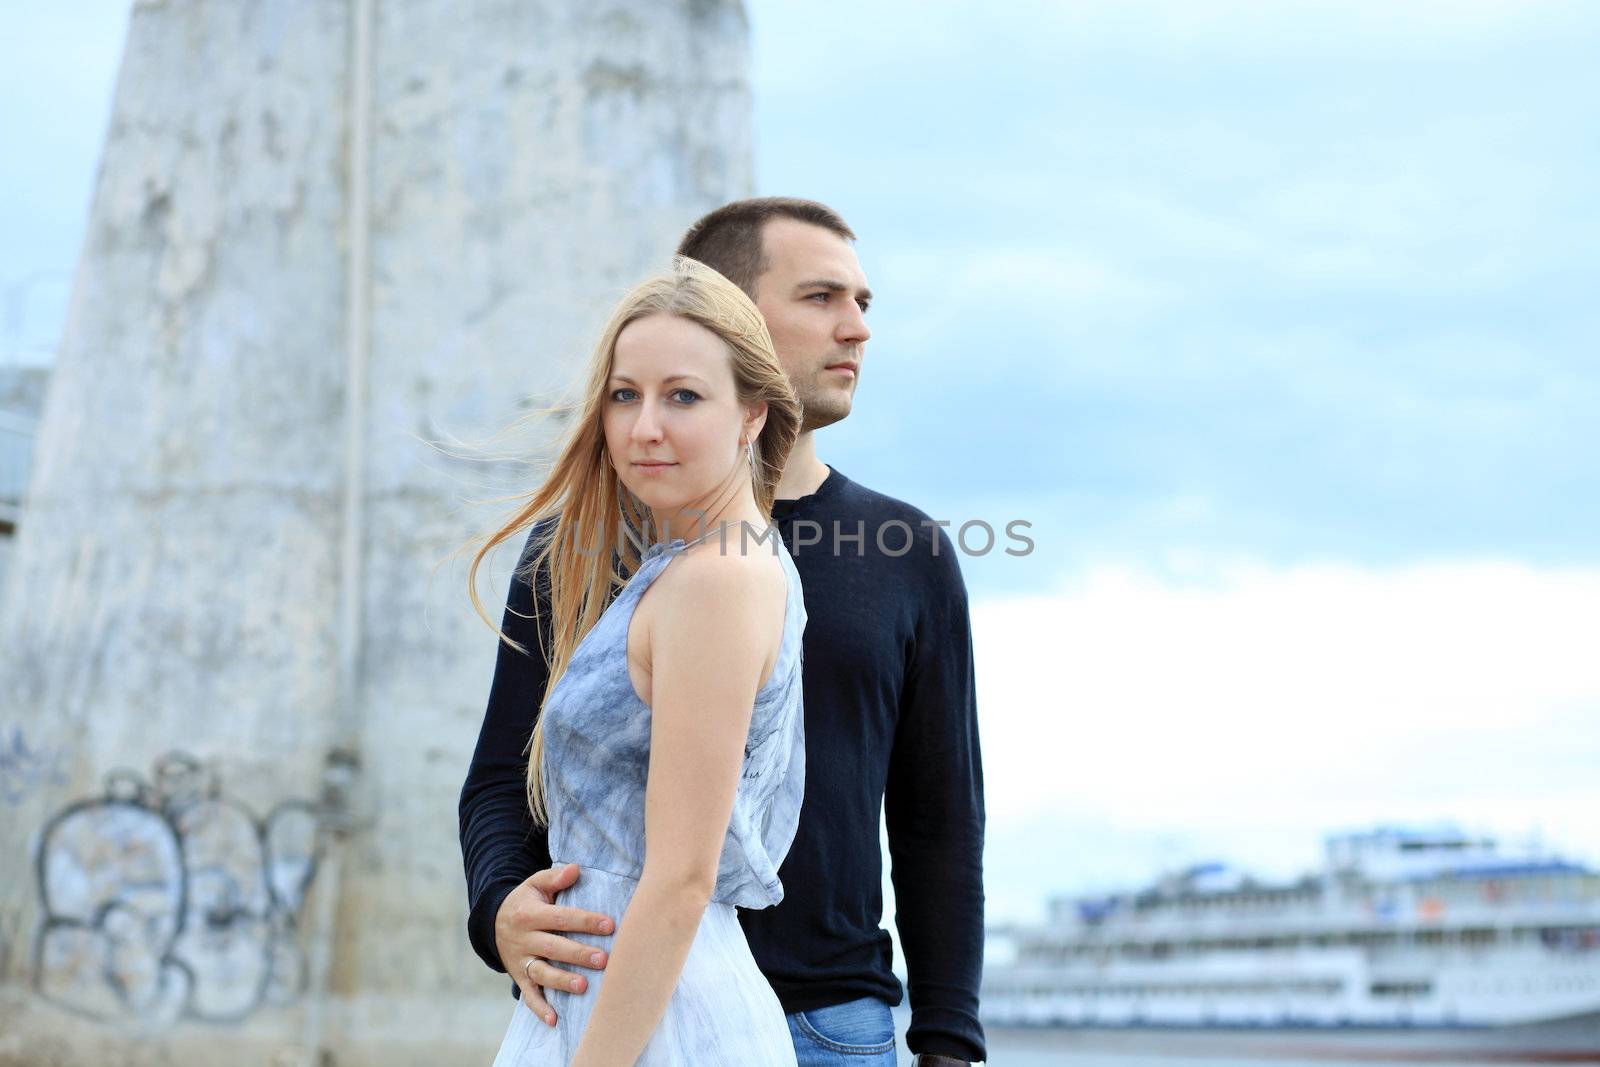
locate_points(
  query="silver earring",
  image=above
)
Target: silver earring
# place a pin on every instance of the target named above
(750, 450)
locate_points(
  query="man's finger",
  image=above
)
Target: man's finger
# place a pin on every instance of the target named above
(540, 1007)
(555, 978)
(553, 880)
(588, 922)
(560, 949)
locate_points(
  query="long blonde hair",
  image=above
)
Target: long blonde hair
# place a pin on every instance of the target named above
(584, 496)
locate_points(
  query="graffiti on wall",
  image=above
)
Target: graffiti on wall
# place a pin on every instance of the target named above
(25, 768)
(165, 900)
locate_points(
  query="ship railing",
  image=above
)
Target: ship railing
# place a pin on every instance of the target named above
(1422, 910)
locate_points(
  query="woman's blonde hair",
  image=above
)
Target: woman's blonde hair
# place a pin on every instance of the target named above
(599, 527)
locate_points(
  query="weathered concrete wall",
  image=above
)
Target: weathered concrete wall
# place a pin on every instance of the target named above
(174, 588)
(173, 582)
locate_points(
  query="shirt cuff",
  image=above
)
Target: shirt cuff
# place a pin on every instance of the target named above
(949, 1039)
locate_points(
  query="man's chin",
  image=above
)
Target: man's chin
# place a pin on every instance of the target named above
(825, 411)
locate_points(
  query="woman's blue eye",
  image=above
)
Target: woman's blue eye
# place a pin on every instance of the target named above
(682, 396)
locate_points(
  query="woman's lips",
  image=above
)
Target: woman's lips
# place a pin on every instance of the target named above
(650, 466)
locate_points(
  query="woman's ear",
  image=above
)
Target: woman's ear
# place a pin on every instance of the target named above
(755, 418)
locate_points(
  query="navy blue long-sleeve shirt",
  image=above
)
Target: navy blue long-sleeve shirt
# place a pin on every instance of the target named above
(891, 723)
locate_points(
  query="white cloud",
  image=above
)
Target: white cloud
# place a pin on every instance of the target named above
(1241, 710)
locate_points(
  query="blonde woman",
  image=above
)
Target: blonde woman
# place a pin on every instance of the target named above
(668, 757)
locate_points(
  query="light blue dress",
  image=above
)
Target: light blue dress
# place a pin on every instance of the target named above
(596, 755)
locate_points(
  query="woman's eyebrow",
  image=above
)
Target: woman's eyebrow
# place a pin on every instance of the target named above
(665, 381)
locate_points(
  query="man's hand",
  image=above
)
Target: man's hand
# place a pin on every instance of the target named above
(525, 938)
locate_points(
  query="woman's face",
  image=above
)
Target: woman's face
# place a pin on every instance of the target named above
(672, 417)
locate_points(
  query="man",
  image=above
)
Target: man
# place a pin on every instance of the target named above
(890, 716)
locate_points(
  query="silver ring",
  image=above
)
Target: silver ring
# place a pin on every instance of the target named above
(530, 963)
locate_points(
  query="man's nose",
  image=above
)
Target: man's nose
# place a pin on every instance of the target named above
(853, 330)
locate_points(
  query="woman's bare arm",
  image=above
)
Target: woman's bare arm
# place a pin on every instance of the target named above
(715, 626)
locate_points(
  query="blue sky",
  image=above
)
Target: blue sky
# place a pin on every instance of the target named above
(1275, 320)
(1310, 280)
(58, 65)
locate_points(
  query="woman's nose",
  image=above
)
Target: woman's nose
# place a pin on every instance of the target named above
(647, 427)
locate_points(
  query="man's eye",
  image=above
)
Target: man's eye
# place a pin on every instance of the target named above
(819, 296)
(685, 396)
(863, 305)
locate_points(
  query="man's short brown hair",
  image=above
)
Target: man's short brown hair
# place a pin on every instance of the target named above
(728, 240)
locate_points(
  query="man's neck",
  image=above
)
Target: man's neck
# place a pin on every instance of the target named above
(804, 473)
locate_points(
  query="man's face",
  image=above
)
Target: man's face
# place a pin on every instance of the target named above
(814, 298)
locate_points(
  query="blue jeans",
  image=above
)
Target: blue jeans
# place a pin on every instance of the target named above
(857, 1033)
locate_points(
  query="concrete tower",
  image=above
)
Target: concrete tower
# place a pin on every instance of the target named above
(236, 697)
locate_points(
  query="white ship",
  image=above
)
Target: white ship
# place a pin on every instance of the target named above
(1405, 942)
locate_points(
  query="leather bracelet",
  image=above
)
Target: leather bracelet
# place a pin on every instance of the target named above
(933, 1059)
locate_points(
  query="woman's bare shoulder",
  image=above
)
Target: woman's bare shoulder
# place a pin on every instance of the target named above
(723, 574)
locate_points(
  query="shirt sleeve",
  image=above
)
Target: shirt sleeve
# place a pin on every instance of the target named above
(500, 843)
(933, 807)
